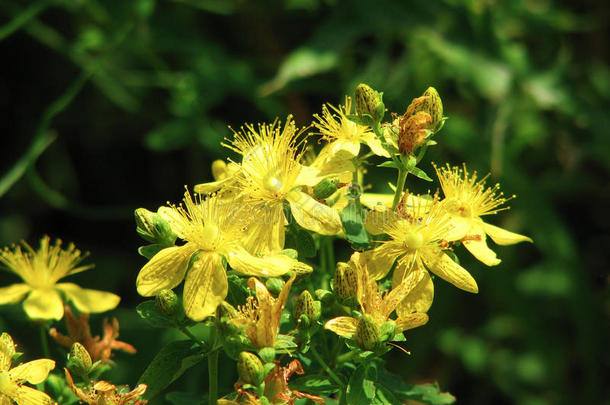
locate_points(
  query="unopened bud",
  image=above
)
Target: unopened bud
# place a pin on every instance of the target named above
(219, 169)
(367, 333)
(345, 281)
(79, 359)
(305, 305)
(267, 354)
(274, 285)
(226, 311)
(250, 368)
(325, 188)
(430, 103)
(152, 227)
(368, 101)
(167, 301)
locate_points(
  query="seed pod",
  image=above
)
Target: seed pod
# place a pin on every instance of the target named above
(305, 305)
(367, 333)
(345, 281)
(79, 359)
(368, 101)
(167, 301)
(250, 368)
(325, 188)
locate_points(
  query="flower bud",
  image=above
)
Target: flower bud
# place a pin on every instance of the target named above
(430, 103)
(325, 188)
(274, 285)
(368, 101)
(250, 368)
(267, 354)
(79, 359)
(305, 305)
(152, 227)
(367, 333)
(167, 301)
(345, 280)
(226, 311)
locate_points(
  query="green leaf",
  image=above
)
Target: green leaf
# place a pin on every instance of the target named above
(416, 171)
(305, 244)
(314, 384)
(361, 387)
(153, 316)
(184, 398)
(425, 393)
(389, 163)
(169, 364)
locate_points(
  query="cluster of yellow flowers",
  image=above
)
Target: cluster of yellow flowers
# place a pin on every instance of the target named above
(240, 219)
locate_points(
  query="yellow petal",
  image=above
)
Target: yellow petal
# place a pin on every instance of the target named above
(34, 372)
(30, 396)
(371, 200)
(411, 321)
(460, 227)
(480, 250)
(442, 265)
(309, 176)
(375, 144)
(333, 162)
(380, 260)
(343, 326)
(272, 265)
(502, 236)
(345, 147)
(205, 188)
(87, 300)
(5, 400)
(419, 298)
(265, 233)
(7, 351)
(44, 304)
(165, 270)
(312, 215)
(205, 286)
(13, 293)
(379, 219)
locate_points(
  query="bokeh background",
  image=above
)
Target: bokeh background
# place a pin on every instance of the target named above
(112, 105)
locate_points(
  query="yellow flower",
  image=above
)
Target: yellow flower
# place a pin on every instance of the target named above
(417, 239)
(467, 200)
(377, 306)
(41, 269)
(12, 379)
(344, 135)
(260, 317)
(271, 174)
(211, 231)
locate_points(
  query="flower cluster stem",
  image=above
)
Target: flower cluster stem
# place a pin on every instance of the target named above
(213, 377)
(400, 185)
(328, 370)
(44, 341)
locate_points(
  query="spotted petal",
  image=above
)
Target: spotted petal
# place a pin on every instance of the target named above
(344, 326)
(165, 270)
(312, 215)
(442, 265)
(34, 372)
(205, 287)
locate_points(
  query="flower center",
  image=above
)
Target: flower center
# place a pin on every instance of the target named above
(210, 233)
(272, 183)
(349, 128)
(414, 240)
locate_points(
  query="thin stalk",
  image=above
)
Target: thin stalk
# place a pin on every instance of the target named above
(400, 185)
(328, 370)
(188, 333)
(44, 341)
(213, 377)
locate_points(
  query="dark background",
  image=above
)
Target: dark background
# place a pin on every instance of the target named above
(136, 96)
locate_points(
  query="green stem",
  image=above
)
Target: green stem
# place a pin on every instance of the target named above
(188, 333)
(23, 18)
(400, 185)
(213, 377)
(44, 341)
(345, 357)
(328, 370)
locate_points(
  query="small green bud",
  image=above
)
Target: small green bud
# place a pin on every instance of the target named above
(325, 188)
(345, 280)
(305, 305)
(226, 311)
(79, 359)
(250, 368)
(293, 254)
(433, 105)
(367, 333)
(152, 227)
(274, 285)
(267, 354)
(167, 301)
(368, 101)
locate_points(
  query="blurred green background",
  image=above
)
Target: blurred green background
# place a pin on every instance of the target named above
(113, 105)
